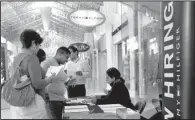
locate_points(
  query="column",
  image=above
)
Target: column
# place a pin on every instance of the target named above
(108, 36)
(132, 24)
(109, 9)
(90, 83)
(141, 57)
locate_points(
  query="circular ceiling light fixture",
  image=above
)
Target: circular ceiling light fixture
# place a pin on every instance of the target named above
(86, 18)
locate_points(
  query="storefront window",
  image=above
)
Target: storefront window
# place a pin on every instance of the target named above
(139, 55)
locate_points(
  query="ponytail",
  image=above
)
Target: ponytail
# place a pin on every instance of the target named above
(122, 79)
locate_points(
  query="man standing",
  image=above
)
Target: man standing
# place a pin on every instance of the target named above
(60, 58)
(56, 90)
(76, 86)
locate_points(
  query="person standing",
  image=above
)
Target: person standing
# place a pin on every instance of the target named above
(29, 63)
(41, 56)
(76, 87)
(56, 90)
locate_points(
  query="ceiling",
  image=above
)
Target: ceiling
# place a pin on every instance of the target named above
(155, 6)
(17, 16)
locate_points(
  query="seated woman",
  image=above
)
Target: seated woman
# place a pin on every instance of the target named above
(118, 94)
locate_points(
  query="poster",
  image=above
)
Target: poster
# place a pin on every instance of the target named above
(172, 56)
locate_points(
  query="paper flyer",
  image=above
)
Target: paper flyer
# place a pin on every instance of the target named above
(53, 69)
(59, 71)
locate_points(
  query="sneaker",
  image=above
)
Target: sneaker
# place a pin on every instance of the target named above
(141, 106)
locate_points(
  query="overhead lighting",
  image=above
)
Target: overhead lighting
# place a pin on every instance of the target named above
(46, 14)
(87, 18)
(147, 14)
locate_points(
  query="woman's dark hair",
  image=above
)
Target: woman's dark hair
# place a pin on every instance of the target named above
(41, 55)
(74, 49)
(113, 72)
(29, 35)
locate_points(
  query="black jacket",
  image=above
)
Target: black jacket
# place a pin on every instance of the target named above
(119, 94)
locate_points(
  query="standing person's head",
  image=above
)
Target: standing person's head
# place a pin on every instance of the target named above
(73, 52)
(113, 74)
(62, 55)
(41, 55)
(31, 40)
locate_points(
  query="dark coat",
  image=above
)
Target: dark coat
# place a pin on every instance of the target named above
(118, 94)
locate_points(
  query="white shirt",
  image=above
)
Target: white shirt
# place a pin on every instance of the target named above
(56, 89)
(79, 65)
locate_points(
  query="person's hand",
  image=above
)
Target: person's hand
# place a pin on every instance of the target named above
(72, 81)
(67, 100)
(50, 78)
(79, 73)
(93, 97)
(86, 101)
(93, 100)
(98, 97)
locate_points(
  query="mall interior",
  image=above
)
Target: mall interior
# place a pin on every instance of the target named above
(124, 35)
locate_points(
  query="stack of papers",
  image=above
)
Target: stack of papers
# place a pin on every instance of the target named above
(126, 113)
(53, 69)
(79, 100)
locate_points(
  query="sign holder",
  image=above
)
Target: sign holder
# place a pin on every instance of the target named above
(82, 47)
(178, 60)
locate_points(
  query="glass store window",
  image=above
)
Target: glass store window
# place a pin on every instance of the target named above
(123, 62)
(139, 54)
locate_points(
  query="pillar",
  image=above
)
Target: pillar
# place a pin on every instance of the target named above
(131, 20)
(141, 56)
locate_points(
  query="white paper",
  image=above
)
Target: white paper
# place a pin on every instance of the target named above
(71, 73)
(53, 69)
(59, 71)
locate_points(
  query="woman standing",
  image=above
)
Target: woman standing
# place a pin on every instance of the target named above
(31, 41)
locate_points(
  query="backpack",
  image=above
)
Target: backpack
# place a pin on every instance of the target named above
(18, 90)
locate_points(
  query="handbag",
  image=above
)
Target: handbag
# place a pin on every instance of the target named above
(18, 92)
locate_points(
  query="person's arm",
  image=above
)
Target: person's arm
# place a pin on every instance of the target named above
(43, 73)
(45, 65)
(65, 70)
(34, 70)
(111, 98)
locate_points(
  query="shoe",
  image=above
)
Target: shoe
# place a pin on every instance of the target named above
(141, 106)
